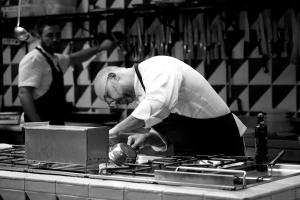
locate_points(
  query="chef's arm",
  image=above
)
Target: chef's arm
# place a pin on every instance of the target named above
(128, 124)
(85, 54)
(26, 98)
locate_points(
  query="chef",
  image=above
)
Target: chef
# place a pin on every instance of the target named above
(175, 103)
(41, 71)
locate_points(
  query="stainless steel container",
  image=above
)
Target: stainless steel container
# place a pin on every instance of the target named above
(122, 153)
(66, 144)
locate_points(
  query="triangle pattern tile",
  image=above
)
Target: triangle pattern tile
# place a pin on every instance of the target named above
(240, 75)
(14, 73)
(115, 55)
(255, 53)
(14, 51)
(6, 53)
(244, 101)
(85, 99)
(134, 27)
(94, 68)
(279, 93)
(130, 3)
(83, 78)
(70, 93)
(223, 93)
(17, 103)
(7, 75)
(116, 3)
(238, 50)
(234, 39)
(79, 92)
(260, 98)
(14, 93)
(116, 24)
(153, 26)
(249, 47)
(82, 32)
(100, 4)
(83, 6)
(221, 90)
(68, 76)
(256, 72)
(219, 75)
(97, 103)
(283, 72)
(102, 26)
(77, 70)
(19, 54)
(211, 68)
(288, 103)
(67, 30)
(236, 90)
(200, 68)
(7, 97)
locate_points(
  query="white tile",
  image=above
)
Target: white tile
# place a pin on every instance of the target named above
(40, 196)
(39, 183)
(110, 190)
(73, 186)
(285, 195)
(68, 197)
(13, 182)
(7, 194)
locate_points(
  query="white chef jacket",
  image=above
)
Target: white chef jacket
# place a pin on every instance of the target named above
(174, 87)
(34, 71)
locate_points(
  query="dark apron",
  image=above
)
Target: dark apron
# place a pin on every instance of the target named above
(52, 105)
(190, 136)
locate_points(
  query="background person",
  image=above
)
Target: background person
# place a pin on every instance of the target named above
(41, 84)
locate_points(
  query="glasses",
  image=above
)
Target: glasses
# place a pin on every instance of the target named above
(107, 98)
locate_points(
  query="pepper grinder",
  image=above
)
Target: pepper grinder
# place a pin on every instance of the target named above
(261, 149)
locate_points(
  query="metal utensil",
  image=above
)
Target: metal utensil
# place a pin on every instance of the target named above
(122, 153)
(20, 32)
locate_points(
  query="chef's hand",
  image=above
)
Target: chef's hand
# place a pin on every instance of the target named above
(137, 141)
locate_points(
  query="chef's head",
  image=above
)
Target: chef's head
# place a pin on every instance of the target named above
(115, 85)
(50, 35)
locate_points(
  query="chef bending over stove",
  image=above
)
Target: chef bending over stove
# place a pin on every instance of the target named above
(175, 103)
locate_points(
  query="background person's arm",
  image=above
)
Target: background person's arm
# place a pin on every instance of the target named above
(85, 54)
(26, 98)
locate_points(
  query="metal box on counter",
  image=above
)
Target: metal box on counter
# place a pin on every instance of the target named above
(66, 144)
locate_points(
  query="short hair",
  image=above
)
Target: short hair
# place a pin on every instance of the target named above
(101, 79)
(41, 26)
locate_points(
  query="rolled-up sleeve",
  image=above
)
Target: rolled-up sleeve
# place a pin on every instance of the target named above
(162, 89)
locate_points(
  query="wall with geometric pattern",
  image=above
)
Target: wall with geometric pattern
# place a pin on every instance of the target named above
(250, 56)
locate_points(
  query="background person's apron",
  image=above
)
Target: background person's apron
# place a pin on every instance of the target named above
(191, 136)
(52, 105)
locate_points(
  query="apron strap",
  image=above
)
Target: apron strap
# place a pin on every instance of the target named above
(49, 61)
(136, 68)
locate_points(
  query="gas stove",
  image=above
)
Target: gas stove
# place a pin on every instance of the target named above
(219, 171)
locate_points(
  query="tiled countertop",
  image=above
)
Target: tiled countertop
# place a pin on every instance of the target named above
(19, 185)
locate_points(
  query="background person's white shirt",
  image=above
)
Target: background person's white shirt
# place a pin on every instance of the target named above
(34, 71)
